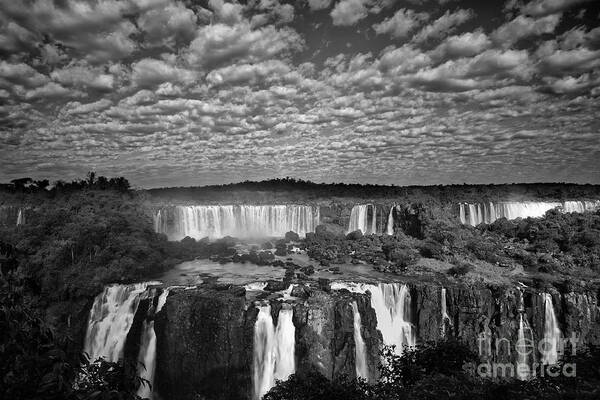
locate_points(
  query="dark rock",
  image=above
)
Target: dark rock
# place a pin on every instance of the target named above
(324, 284)
(356, 235)
(292, 237)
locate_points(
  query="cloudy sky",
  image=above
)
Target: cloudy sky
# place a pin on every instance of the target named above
(189, 92)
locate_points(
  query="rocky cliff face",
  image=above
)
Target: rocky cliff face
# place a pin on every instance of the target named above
(205, 335)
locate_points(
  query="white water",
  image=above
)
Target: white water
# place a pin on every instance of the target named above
(147, 355)
(392, 305)
(445, 317)
(552, 333)
(359, 219)
(475, 214)
(256, 286)
(523, 348)
(110, 319)
(274, 349)
(390, 222)
(20, 219)
(242, 221)
(360, 352)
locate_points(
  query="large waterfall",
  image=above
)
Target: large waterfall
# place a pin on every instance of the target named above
(361, 219)
(392, 305)
(390, 222)
(147, 354)
(242, 221)
(445, 317)
(360, 351)
(20, 218)
(477, 213)
(110, 319)
(274, 349)
(552, 333)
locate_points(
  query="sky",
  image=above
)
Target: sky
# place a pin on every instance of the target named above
(186, 92)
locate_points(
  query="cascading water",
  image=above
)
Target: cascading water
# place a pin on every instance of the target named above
(524, 346)
(390, 222)
(360, 352)
(20, 218)
(147, 355)
(552, 333)
(359, 219)
(274, 349)
(445, 317)
(392, 305)
(110, 319)
(243, 221)
(478, 213)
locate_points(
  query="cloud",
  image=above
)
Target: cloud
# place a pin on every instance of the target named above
(562, 62)
(319, 4)
(349, 12)
(168, 25)
(248, 73)
(83, 75)
(228, 13)
(467, 44)
(150, 72)
(444, 25)
(76, 107)
(22, 74)
(540, 8)
(401, 23)
(49, 90)
(521, 27)
(217, 43)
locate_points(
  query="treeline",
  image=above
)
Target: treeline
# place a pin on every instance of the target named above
(30, 186)
(448, 370)
(290, 189)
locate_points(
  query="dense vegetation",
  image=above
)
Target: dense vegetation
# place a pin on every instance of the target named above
(289, 189)
(560, 243)
(439, 371)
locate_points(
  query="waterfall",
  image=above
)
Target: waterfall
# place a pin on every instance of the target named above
(478, 213)
(445, 316)
(20, 218)
(360, 352)
(392, 305)
(243, 221)
(552, 334)
(359, 219)
(523, 348)
(110, 319)
(274, 349)
(390, 222)
(147, 355)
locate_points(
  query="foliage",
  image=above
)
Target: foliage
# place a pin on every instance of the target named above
(35, 363)
(437, 371)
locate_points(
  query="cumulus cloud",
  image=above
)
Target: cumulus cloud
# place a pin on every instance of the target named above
(539, 8)
(401, 23)
(83, 75)
(318, 4)
(349, 12)
(444, 25)
(167, 25)
(216, 43)
(522, 27)
(465, 45)
(149, 72)
(78, 108)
